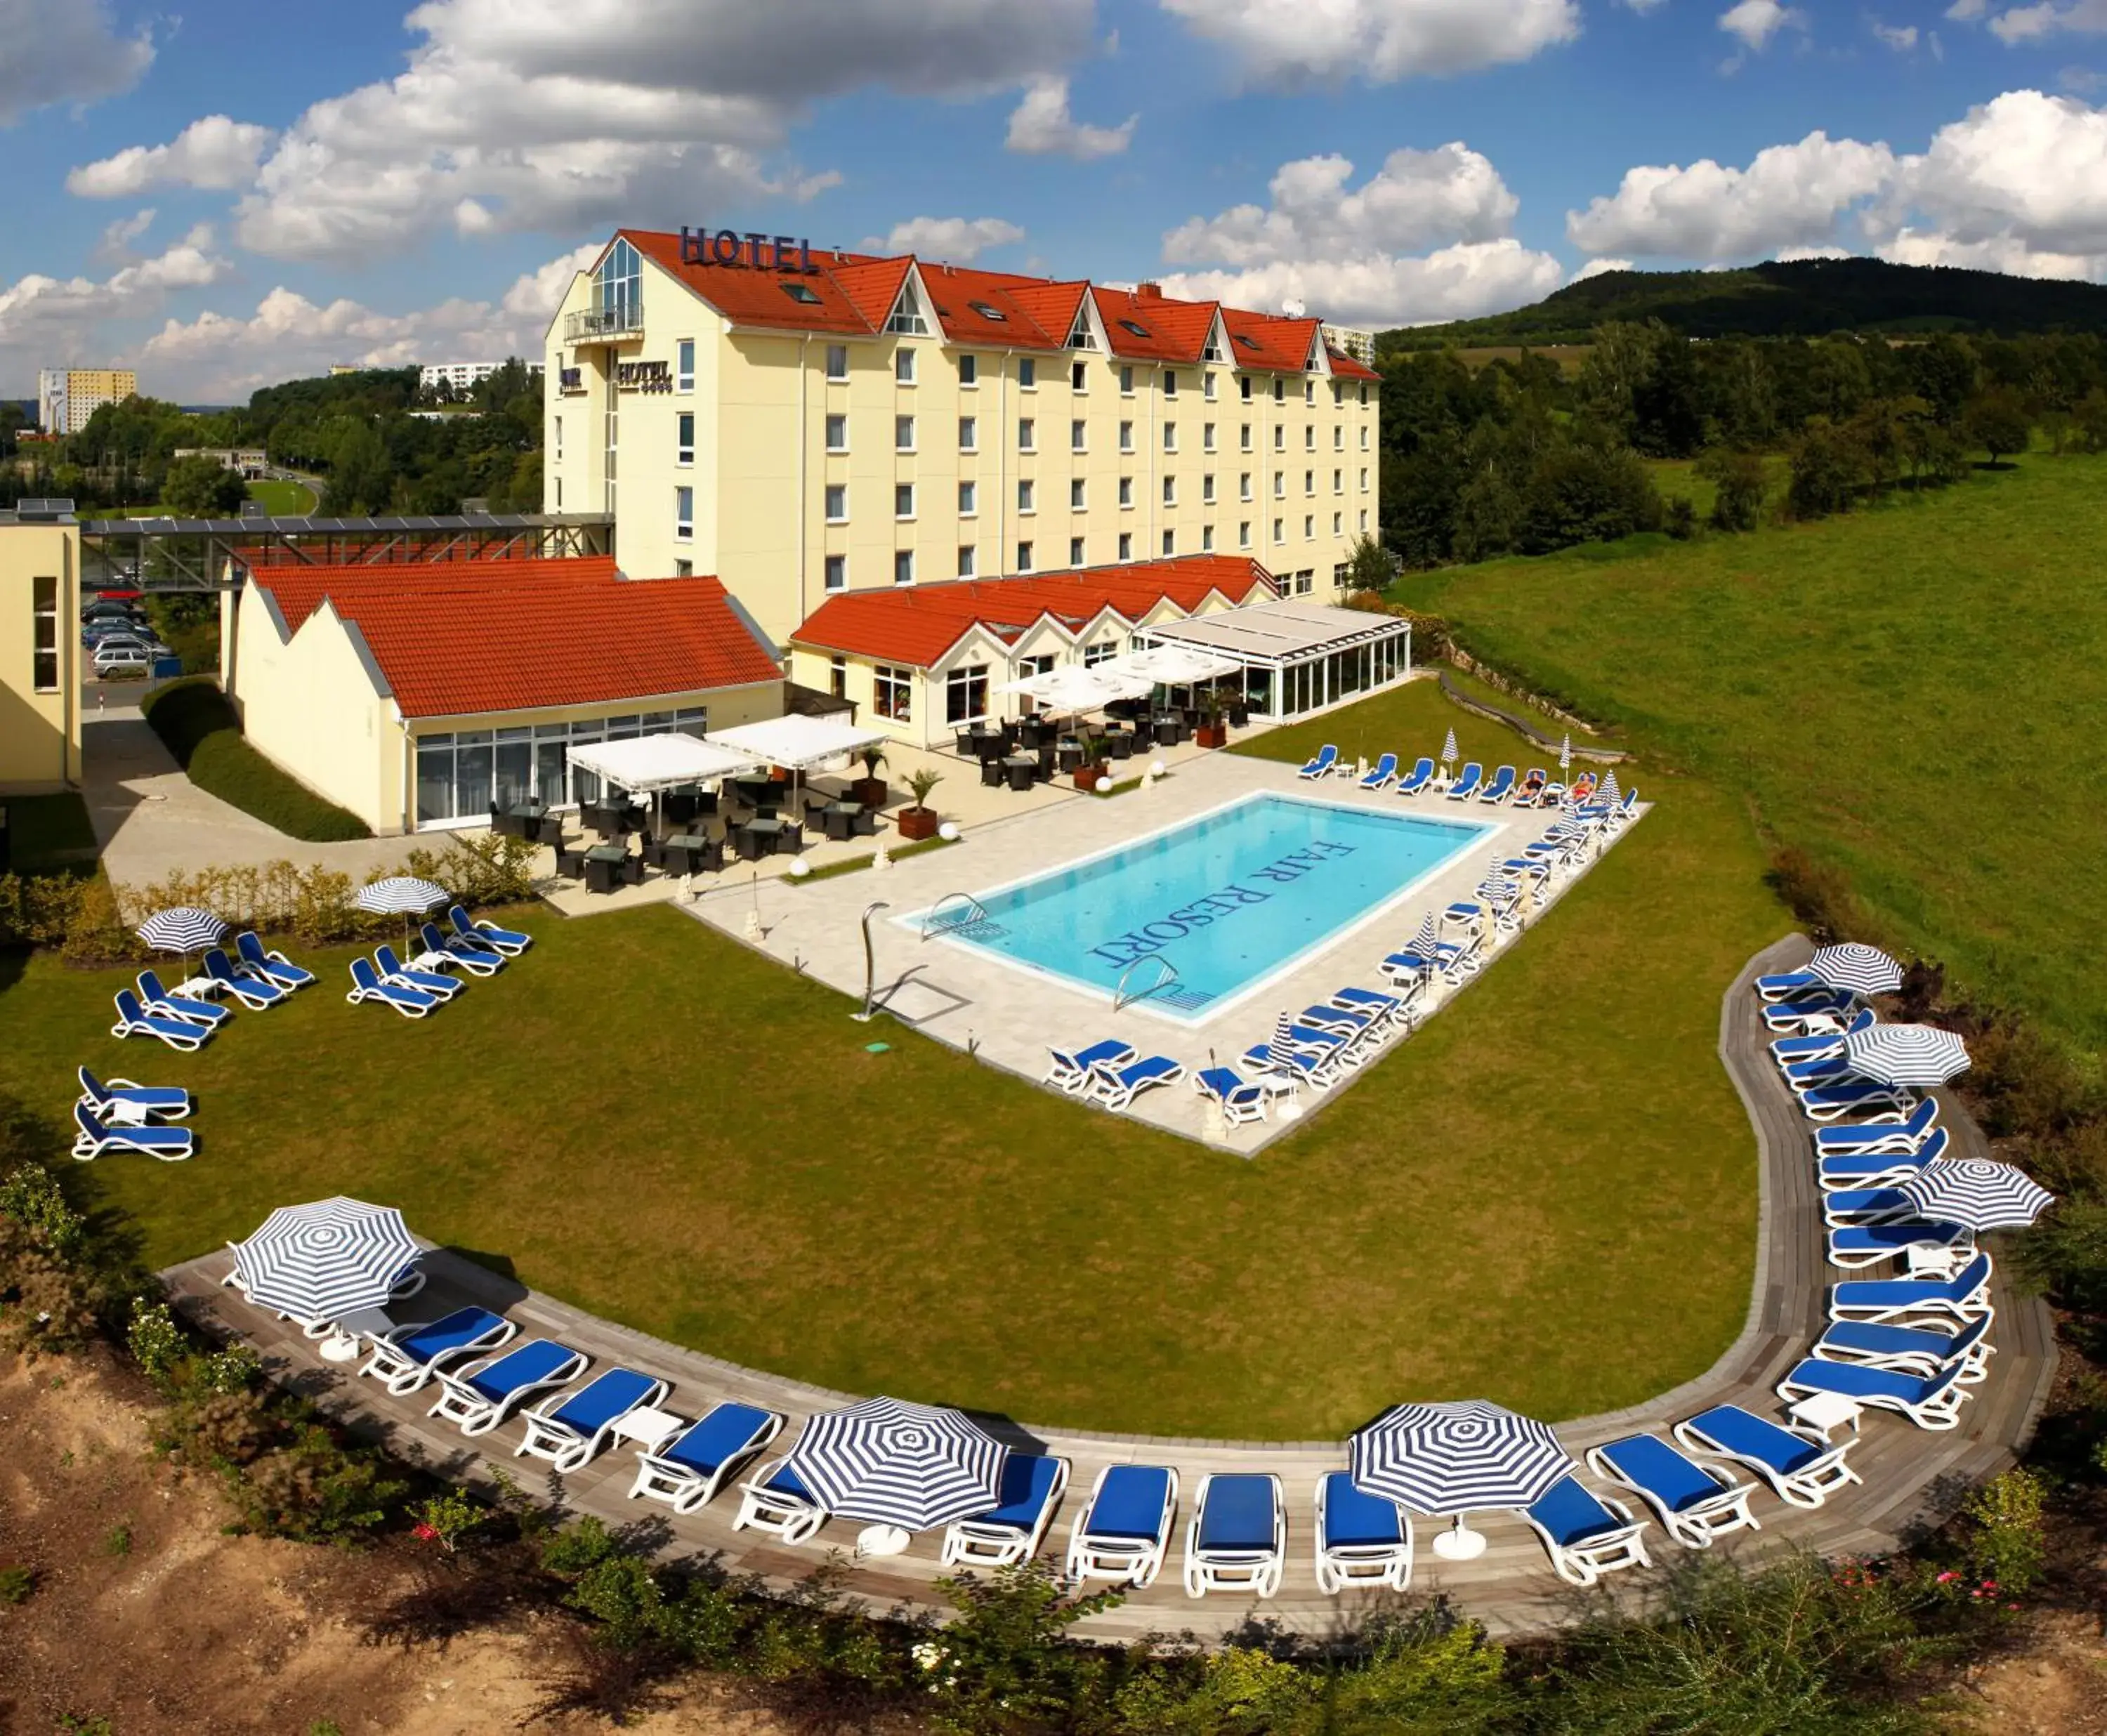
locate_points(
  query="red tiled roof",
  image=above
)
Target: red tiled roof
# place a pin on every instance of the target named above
(458, 639)
(916, 624)
(1349, 367)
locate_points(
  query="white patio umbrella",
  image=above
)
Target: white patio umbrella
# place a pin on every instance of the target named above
(325, 1260)
(1449, 1460)
(1918, 1055)
(1612, 791)
(1449, 749)
(888, 1462)
(1853, 965)
(1565, 755)
(1982, 1194)
(183, 929)
(400, 894)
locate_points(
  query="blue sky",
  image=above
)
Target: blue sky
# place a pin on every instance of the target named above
(252, 192)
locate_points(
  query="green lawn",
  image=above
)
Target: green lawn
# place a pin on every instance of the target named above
(284, 500)
(1917, 693)
(1547, 1197)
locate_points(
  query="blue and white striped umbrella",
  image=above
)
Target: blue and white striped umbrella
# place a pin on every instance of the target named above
(1449, 749)
(400, 894)
(1427, 942)
(1283, 1046)
(1982, 1194)
(887, 1462)
(1906, 1054)
(1444, 1460)
(325, 1260)
(1610, 792)
(1496, 888)
(1565, 754)
(1854, 966)
(185, 929)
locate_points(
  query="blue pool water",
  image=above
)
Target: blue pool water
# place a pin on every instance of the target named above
(1227, 899)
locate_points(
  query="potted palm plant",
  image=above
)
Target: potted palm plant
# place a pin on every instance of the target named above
(919, 821)
(870, 789)
(1095, 768)
(1214, 733)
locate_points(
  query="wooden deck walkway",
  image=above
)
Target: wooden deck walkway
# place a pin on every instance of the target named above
(1912, 1476)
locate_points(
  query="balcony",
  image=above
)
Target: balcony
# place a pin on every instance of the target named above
(605, 325)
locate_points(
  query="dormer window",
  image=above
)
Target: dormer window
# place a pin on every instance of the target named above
(1249, 342)
(1080, 337)
(907, 320)
(988, 313)
(1136, 327)
(800, 293)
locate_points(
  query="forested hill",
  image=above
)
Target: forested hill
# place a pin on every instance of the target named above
(1802, 298)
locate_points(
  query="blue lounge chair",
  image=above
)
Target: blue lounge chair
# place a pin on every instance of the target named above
(1695, 1503)
(1319, 1071)
(1467, 786)
(428, 982)
(172, 1145)
(134, 1021)
(1860, 1244)
(406, 1357)
(487, 933)
(1530, 791)
(1340, 1021)
(1802, 1469)
(1117, 1087)
(255, 993)
(1895, 1133)
(1124, 1531)
(1789, 1051)
(1879, 1168)
(1785, 985)
(1069, 1068)
(570, 1428)
(1809, 1014)
(162, 1004)
(1237, 1540)
(1964, 1296)
(1384, 772)
(484, 1394)
(1009, 1533)
(1241, 1100)
(163, 1102)
(1421, 776)
(1326, 760)
(1804, 1076)
(1387, 1009)
(1501, 788)
(1923, 1350)
(1848, 1205)
(274, 966)
(1587, 1534)
(477, 961)
(1827, 1102)
(412, 1003)
(777, 1501)
(1930, 1402)
(687, 1472)
(1361, 1539)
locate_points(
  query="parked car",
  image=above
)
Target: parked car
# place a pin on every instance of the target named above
(138, 638)
(123, 659)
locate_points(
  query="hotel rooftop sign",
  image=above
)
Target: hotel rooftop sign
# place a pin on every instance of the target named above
(752, 249)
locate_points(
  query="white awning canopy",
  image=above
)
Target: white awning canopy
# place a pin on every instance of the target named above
(646, 763)
(1173, 666)
(797, 744)
(1071, 687)
(1276, 634)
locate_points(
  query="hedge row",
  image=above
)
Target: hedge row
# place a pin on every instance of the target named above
(193, 718)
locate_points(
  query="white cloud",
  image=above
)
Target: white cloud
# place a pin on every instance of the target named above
(44, 320)
(1789, 195)
(2027, 23)
(1601, 268)
(1418, 197)
(1900, 37)
(115, 247)
(1042, 127)
(1303, 42)
(1789, 254)
(2025, 167)
(959, 240)
(1641, 7)
(215, 152)
(1453, 283)
(64, 51)
(1962, 11)
(1756, 22)
(2006, 253)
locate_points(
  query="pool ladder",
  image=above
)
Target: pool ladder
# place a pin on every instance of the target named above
(953, 912)
(1166, 975)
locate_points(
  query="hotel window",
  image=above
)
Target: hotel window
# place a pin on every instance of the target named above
(1024, 557)
(903, 566)
(1244, 440)
(1027, 435)
(1279, 390)
(683, 365)
(1338, 524)
(1104, 652)
(1207, 386)
(891, 692)
(903, 499)
(1206, 539)
(837, 677)
(560, 494)
(1206, 437)
(1243, 486)
(44, 612)
(1170, 382)
(1027, 373)
(1126, 437)
(1126, 491)
(965, 694)
(1364, 394)
(1310, 439)
(1338, 393)
(838, 572)
(1077, 500)
(1075, 551)
(1338, 482)
(1280, 530)
(1309, 482)
(1171, 491)
(1339, 576)
(1243, 387)
(1309, 527)
(1279, 438)
(838, 433)
(1338, 437)
(1243, 533)
(837, 503)
(967, 555)
(1170, 437)
(1126, 380)
(557, 441)
(1280, 485)
(903, 366)
(684, 438)
(968, 499)
(969, 370)
(1079, 376)
(684, 569)
(1304, 582)
(969, 434)
(903, 433)
(837, 361)
(1079, 436)
(1028, 494)
(1365, 437)
(684, 513)
(1364, 479)
(1309, 391)
(1126, 546)
(1364, 517)
(1207, 489)
(1170, 543)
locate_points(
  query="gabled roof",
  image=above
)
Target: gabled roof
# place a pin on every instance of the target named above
(466, 639)
(1260, 340)
(1349, 367)
(916, 624)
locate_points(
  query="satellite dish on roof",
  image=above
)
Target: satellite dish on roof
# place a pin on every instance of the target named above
(1293, 308)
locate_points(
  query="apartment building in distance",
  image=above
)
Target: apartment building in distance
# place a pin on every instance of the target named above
(66, 397)
(802, 424)
(460, 376)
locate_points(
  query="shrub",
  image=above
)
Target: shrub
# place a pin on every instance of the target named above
(1817, 894)
(53, 1297)
(313, 1490)
(2010, 1539)
(193, 718)
(1681, 522)
(155, 1341)
(1740, 485)
(16, 1583)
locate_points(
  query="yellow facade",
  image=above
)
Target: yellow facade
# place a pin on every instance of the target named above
(1039, 463)
(39, 658)
(88, 389)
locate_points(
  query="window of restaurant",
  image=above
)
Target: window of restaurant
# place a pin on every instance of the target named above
(965, 694)
(461, 776)
(892, 693)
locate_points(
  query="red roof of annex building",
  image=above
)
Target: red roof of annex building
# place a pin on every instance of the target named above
(460, 639)
(854, 294)
(916, 624)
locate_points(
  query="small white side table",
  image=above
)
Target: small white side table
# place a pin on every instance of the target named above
(1825, 1411)
(883, 1539)
(342, 1345)
(122, 1113)
(648, 1427)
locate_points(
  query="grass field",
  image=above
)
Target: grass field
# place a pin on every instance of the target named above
(284, 500)
(1547, 1197)
(1917, 693)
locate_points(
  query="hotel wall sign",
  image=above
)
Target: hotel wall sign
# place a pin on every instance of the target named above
(643, 376)
(752, 249)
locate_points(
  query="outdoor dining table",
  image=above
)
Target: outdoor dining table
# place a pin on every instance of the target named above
(684, 852)
(1022, 768)
(604, 867)
(758, 838)
(839, 818)
(1170, 731)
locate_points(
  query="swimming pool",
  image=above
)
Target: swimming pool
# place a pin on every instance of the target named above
(1229, 899)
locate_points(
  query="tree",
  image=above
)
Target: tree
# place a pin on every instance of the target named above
(361, 478)
(1998, 421)
(199, 486)
(1827, 467)
(1370, 566)
(1740, 487)
(2091, 414)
